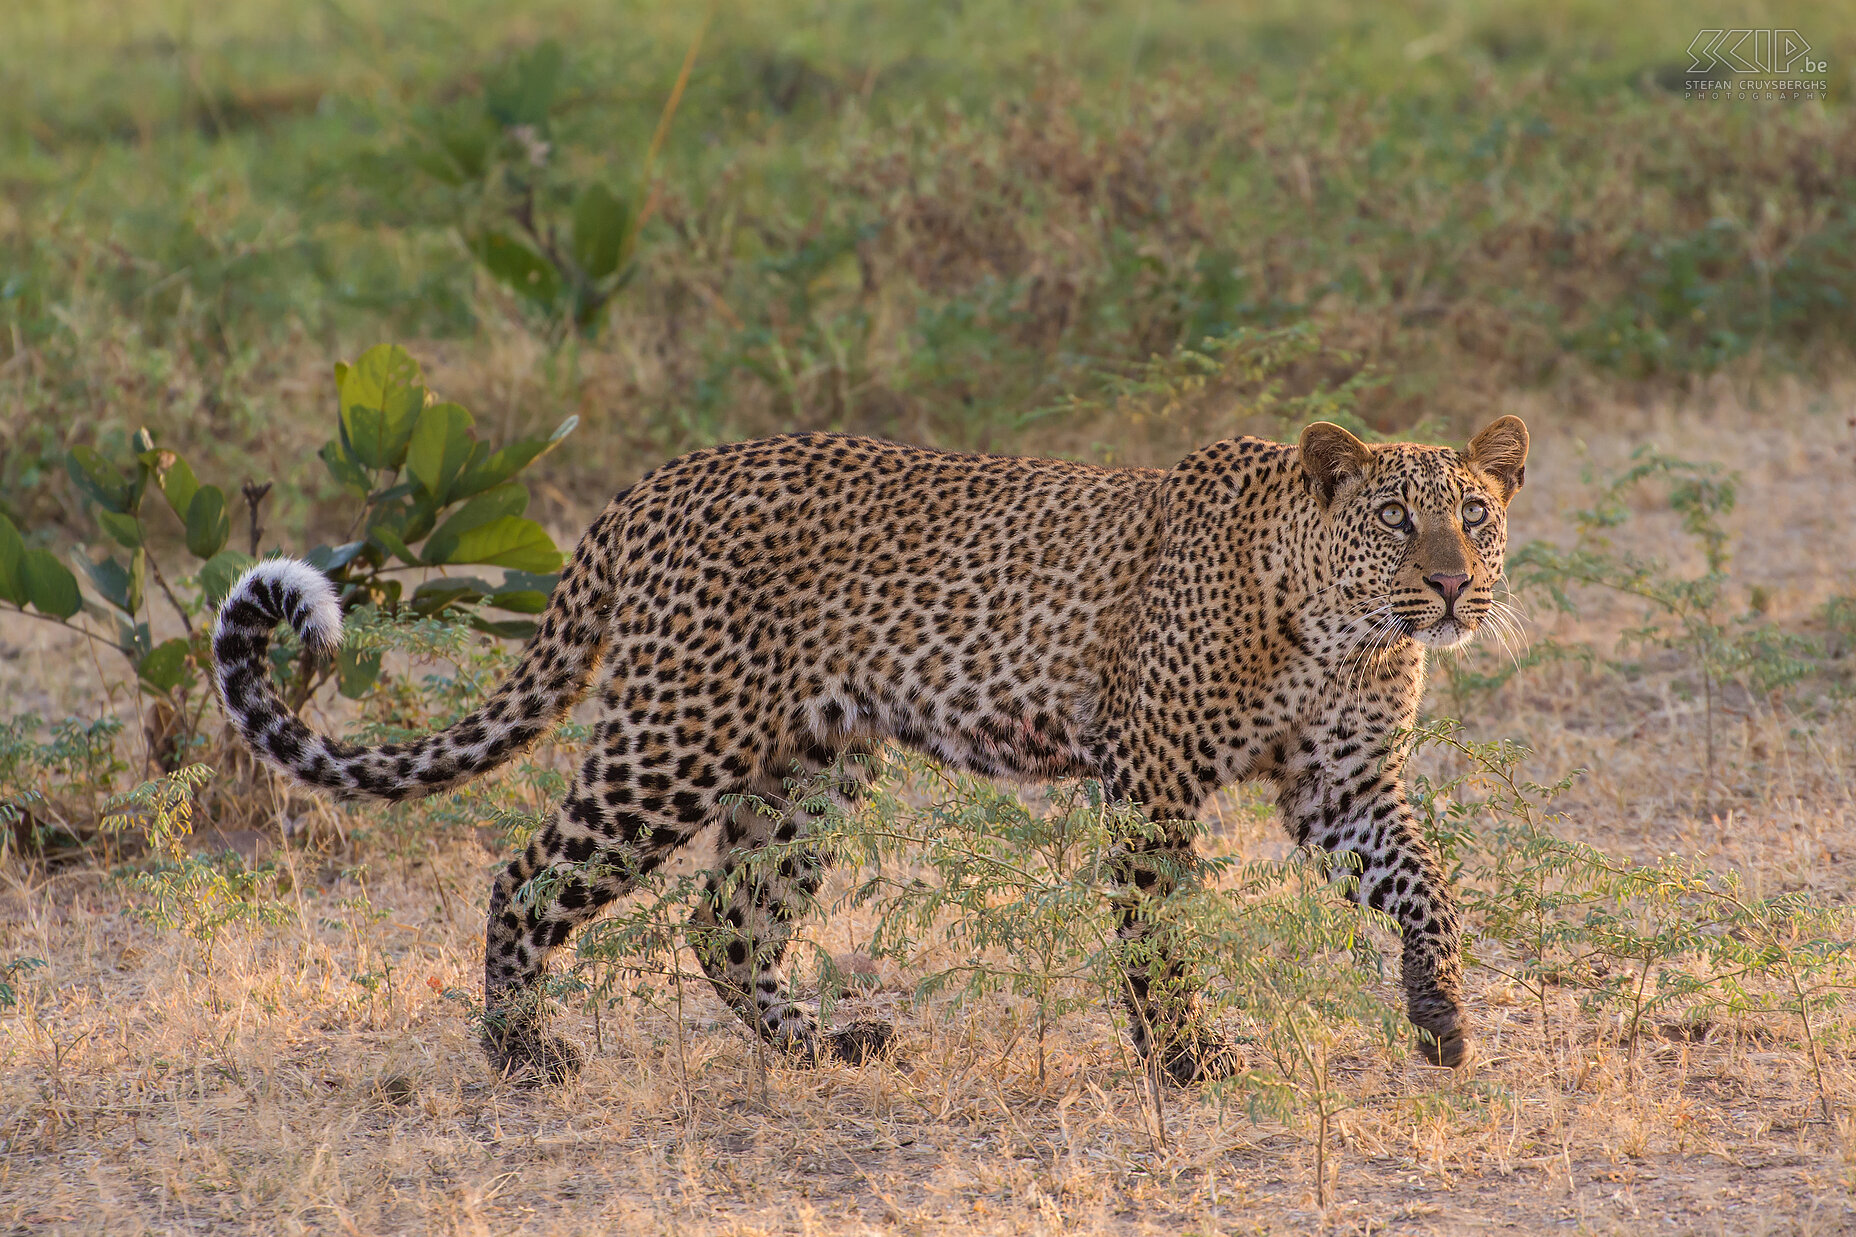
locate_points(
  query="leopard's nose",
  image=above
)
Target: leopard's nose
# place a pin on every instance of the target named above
(1449, 585)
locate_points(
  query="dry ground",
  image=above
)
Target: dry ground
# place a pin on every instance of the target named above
(140, 1093)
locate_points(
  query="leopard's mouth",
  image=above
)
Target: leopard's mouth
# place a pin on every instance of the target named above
(1448, 632)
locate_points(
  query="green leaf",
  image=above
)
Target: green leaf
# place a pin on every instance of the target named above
(355, 672)
(132, 638)
(344, 468)
(524, 93)
(517, 267)
(174, 477)
(389, 540)
(440, 447)
(120, 586)
(508, 541)
(165, 667)
(435, 595)
(602, 228)
(208, 523)
(543, 582)
(100, 479)
(466, 137)
(49, 584)
(520, 600)
(12, 549)
(381, 395)
(221, 572)
(138, 579)
(505, 629)
(125, 530)
(509, 461)
(511, 499)
(330, 559)
(435, 161)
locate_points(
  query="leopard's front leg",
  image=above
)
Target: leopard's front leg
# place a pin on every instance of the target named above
(1345, 792)
(1166, 1020)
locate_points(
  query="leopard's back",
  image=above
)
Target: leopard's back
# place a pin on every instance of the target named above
(813, 590)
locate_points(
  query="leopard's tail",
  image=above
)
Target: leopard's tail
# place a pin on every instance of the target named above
(556, 667)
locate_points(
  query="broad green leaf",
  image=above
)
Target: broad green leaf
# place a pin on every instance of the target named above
(435, 595)
(174, 477)
(504, 500)
(543, 583)
(506, 629)
(509, 461)
(508, 541)
(356, 673)
(125, 530)
(12, 549)
(165, 667)
(344, 468)
(602, 226)
(418, 521)
(517, 267)
(208, 523)
(524, 92)
(49, 584)
(395, 493)
(367, 434)
(440, 447)
(120, 586)
(520, 600)
(132, 638)
(388, 540)
(330, 559)
(381, 395)
(99, 478)
(220, 572)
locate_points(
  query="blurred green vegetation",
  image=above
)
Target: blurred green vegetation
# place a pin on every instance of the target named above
(987, 224)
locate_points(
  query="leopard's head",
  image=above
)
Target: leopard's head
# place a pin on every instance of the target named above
(1420, 533)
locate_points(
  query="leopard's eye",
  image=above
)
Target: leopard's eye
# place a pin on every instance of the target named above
(1475, 511)
(1394, 515)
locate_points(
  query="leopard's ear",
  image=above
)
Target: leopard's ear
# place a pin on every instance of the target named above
(1332, 457)
(1500, 450)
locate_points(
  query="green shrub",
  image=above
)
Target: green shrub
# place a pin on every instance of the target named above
(199, 895)
(427, 494)
(1691, 613)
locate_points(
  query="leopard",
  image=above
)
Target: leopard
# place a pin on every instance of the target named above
(766, 614)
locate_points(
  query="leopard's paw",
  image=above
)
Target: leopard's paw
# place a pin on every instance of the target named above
(1443, 1032)
(1201, 1056)
(857, 1042)
(531, 1058)
(1450, 1047)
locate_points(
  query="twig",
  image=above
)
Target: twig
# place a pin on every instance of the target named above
(254, 494)
(68, 625)
(676, 97)
(154, 567)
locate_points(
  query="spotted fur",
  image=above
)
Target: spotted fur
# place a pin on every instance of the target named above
(786, 606)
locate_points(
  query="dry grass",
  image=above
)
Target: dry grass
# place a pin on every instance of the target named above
(277, 1093)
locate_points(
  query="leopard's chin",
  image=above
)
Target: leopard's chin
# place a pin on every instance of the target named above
(1445, 633)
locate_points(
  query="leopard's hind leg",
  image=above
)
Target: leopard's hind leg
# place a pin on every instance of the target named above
(622, 818)
(769, 879)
